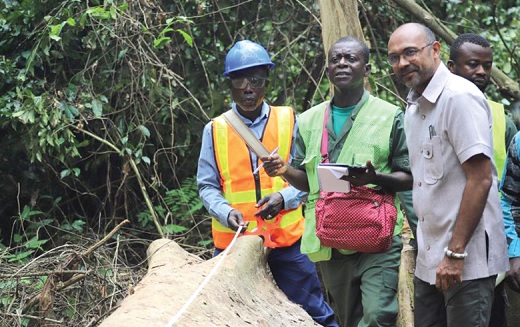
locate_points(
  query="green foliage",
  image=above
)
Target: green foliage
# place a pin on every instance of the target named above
(184, 201)
(76, 226)
(145, 79)
(498, 23)
(181, 206)
(162, 40)
(90, 88)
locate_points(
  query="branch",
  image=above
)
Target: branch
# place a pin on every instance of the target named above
(44, 273)
(51, 285)
(497, 29)
(105, 239)
(137, 173)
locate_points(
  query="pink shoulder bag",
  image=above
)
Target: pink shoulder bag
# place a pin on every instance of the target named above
(361, 220)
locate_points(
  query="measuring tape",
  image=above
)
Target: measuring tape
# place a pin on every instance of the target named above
(204, 282)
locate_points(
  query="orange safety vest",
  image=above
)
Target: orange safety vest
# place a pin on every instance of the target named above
(243, 189)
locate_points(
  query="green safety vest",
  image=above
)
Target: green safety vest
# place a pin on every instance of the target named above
(368, 139)
(499, 135)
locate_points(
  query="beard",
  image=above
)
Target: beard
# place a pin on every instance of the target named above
(413, 76)
(412, 82)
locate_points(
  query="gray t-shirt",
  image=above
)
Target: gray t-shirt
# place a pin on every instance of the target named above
(445, 126)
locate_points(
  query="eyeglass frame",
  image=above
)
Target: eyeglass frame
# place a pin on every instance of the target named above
(394, 58)
(248, 80)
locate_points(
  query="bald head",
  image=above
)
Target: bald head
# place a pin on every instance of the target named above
(416, 29)
(414, 55)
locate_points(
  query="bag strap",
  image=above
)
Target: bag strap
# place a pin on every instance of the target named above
(245, 134)
(325, 137)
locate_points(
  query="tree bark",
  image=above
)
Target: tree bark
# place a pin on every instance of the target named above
(339, 18)
(240, 293)
(505, 84)
(405, 289)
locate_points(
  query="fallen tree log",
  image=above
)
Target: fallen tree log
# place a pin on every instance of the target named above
(240, 293)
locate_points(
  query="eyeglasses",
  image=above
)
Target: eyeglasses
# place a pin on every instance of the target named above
(408, 54)
(241, 82)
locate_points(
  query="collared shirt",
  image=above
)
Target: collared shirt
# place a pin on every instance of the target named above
(208, 176)
(510, 188)
(445, 126)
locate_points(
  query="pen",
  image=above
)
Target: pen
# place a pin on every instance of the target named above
(432, 131)
(262, 164)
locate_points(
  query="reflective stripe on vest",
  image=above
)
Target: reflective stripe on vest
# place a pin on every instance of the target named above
(499, 135)
(243, 189)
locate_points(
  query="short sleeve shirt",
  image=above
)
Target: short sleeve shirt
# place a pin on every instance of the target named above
(445, 126)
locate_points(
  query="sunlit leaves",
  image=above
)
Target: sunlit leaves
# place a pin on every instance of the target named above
(55, 30)
(163, 39)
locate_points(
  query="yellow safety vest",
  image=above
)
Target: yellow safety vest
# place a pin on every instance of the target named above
(243, 189)
(499, 135)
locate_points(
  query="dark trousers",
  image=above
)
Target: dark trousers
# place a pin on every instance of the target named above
(498, 309)
(296, 276)
(466, 305)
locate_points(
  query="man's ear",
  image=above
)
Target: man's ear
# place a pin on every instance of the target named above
(368, 69)
(451, 65)
(327, 71)
(436, 47)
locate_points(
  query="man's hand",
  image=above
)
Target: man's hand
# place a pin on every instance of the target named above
(272, 204)
(274, 165)
(359, 177)
(513, 275)
(235, 220)
(449, 273)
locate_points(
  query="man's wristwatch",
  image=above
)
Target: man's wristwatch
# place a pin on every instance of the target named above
(455, 255)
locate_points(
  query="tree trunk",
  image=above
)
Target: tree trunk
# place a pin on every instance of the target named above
(405, 289)
(505, 84)
(240, 293)
(339, 18)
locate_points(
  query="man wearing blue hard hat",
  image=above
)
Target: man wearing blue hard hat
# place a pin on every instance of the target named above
(238, 193)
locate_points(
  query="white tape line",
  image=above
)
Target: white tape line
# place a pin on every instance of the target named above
(204, 282)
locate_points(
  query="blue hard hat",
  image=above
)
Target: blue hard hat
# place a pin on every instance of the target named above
(246, 54)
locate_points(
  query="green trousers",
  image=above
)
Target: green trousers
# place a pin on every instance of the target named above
(363, 286)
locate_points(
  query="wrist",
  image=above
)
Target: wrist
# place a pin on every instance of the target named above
(454, 255)
(283, 200)
(377, 178)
